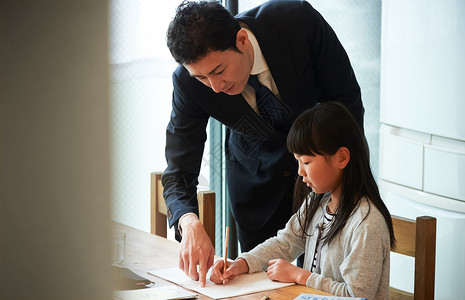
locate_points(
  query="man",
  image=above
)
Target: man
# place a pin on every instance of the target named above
(296, 54)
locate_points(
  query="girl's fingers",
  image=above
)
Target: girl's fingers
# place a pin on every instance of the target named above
(216, 275)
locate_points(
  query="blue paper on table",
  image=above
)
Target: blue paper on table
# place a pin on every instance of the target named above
(304, 296)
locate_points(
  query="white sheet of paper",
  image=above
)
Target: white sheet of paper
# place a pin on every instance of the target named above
(155, 293)
(241, 285)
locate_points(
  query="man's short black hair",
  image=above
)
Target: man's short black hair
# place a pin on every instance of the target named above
(201, 27)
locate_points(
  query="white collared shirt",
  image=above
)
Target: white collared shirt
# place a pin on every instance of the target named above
(260, 68)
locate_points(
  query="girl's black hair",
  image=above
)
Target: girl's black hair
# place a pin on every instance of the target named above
(322, 130)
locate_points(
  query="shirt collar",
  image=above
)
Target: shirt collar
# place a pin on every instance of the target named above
(259, 63)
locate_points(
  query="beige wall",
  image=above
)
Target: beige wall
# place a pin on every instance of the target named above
(54, 150)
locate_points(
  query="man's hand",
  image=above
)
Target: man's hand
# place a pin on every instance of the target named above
(284, 271)
(196, 249)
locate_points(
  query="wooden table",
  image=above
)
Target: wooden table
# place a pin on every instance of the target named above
(145, 251)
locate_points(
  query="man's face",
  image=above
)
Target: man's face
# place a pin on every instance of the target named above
(225, 71)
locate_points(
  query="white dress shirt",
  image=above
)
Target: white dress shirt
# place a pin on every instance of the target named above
(260, 68)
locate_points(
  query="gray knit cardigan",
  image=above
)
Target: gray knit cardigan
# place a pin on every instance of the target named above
(354, 264)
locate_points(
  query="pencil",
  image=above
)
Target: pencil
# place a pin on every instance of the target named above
(225, 250)
(265, 297)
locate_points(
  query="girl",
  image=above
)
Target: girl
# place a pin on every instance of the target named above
(342, 224)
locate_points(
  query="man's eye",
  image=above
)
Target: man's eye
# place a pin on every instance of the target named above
(219, 72)
(202, 79)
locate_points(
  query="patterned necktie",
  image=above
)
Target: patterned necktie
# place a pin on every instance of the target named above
(271, 109)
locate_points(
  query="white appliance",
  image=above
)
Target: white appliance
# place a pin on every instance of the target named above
(422, 136)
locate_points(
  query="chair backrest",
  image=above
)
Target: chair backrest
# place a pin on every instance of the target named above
(158, 211)
(417, 239)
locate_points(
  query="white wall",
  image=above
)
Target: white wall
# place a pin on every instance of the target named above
(55, 150)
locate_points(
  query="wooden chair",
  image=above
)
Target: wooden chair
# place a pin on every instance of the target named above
(417, 239)
(158, 209)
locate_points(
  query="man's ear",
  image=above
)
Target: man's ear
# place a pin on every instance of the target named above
(343, 157)
(241, 39)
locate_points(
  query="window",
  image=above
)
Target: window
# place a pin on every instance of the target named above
(358, 27)
(141, 94)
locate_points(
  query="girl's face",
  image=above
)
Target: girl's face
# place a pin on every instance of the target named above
(322, 173)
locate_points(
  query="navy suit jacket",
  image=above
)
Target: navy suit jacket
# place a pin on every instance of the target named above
(308, 64)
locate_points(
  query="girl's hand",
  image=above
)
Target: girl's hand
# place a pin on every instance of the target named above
(233, 268)
(284, 271)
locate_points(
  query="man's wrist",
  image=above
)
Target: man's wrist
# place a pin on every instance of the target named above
(185, 219)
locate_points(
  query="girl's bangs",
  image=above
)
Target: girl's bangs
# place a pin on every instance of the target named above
(304, 140)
